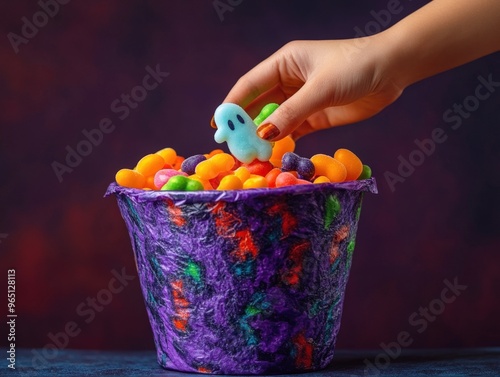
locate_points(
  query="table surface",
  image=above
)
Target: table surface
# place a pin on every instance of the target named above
(426, 362)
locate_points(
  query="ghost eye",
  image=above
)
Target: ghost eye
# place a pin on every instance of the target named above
(240, 118)
(230, 124)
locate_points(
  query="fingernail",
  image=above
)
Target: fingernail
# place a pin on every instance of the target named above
(268, 131)
(212, 123)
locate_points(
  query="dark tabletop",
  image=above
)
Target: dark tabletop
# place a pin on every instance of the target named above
(440, 362)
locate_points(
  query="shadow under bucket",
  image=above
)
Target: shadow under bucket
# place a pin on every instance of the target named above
(247, 281)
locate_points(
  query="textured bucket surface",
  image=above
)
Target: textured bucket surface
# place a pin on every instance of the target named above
(244, 282)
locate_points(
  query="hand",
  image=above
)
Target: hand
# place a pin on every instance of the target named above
(319, 84)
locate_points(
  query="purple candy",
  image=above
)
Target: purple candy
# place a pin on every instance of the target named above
(293, 162)
(289, 161)
(188, 166)
(230, 287)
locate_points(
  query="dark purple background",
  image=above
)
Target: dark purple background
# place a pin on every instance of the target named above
(64, 239)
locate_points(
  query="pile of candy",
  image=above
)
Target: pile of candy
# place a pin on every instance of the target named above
(254, 163)
(165, 170)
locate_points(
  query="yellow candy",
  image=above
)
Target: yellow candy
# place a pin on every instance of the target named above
(280, 148)
(230, 182)
(150, 164)
(242, 173)
(169, 155)
(130, 178)
(321, 179)
(255, 182)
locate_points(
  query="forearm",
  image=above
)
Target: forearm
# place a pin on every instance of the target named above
(441, 35)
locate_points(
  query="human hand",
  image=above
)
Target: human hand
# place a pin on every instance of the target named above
(319, 84)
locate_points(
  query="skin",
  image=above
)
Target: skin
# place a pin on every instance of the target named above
(323, 84)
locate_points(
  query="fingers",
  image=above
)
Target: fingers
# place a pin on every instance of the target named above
(292, 113)
(257, 81)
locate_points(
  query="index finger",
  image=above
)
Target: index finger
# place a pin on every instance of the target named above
(255, 82)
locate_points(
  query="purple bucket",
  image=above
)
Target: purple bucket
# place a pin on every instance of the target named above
(248, 281)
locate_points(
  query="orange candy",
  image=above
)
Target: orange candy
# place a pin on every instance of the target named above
(150, 164)
(280, 148)
(331, 168)
(216, 164)
(178, 162)
(352, 163)
(169, 155)
(271, 177)
(130, 178)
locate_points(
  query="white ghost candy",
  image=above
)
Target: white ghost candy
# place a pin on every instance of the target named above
(235, 127)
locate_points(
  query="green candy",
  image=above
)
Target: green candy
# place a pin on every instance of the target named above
(366, 173)
(265, 112)
(193, 185)
(181, 183)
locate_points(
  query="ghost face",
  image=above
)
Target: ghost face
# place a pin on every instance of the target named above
(235, 127)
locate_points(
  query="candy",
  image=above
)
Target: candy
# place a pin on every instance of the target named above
(214, 182)
(230, 182)
(162, 176)
(265, 112)
(242, 173)
(235, 127)
(271, 177)
(329, 167)
(169, 156)
(130, 178)
(205, 183)
(351, 162)
(321, 179)
(182, 183)
(280, 148)
(213, 153)
(303, 166)
(150, 164)
(188, 166)
(214, 165)
(366, 173)
(255, 181)
(178, 162)
(150, 183)
(288, 179)
(259, 167)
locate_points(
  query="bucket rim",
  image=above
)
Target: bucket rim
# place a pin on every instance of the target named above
(204, 196)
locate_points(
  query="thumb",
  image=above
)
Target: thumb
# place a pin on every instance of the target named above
(291, 113)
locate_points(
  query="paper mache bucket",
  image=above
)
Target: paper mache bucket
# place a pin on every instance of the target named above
(244, 281)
